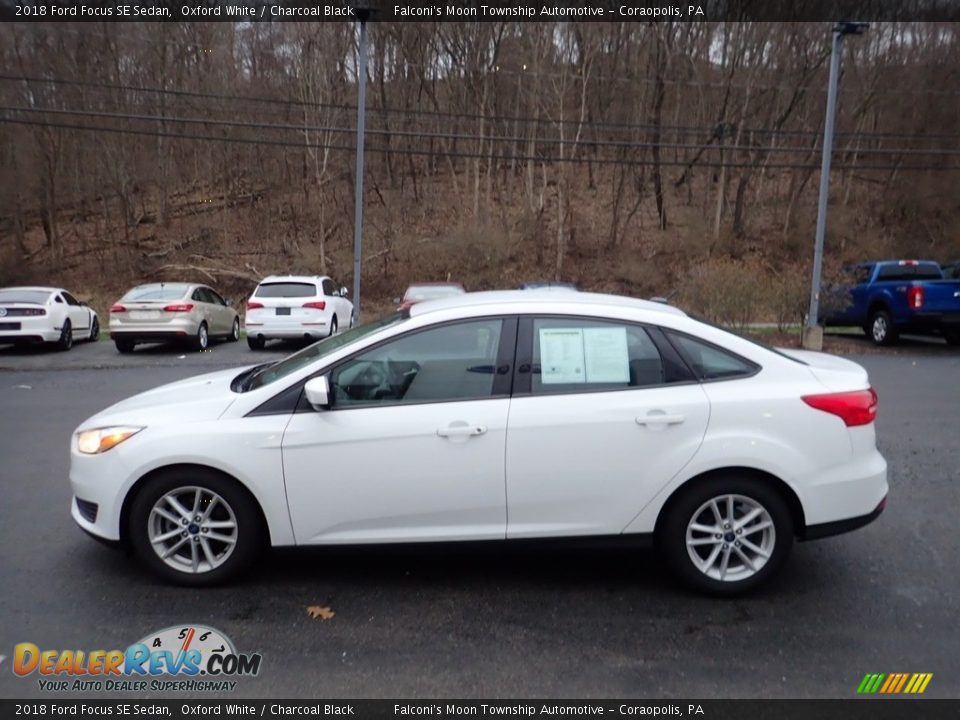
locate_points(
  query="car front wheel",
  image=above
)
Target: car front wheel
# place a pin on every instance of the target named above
(195, 527)
(202, 339)
(727, 535)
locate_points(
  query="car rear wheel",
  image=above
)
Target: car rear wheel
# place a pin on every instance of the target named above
(202, 339)
(255, 343)
(235, 332)
(124, 345)
(65, 341)
(195, 527)
(881, 329)
(333, 326)
(95, 330)
(727, 535)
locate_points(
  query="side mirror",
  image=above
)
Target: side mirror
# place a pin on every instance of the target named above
(344, 292)
(396, 301)
(228, 302)
(317, 391)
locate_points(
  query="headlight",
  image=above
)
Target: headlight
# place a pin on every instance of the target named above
(99, 440)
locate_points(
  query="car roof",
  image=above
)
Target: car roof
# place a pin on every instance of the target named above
(293, 278)
(33, 288)
(542, 296)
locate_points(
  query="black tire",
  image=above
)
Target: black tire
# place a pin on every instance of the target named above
(952, 337)
(250, 534)
(333, 326)
(201, 341)
(880, 328)
(65, 341)
(688, 506)
(124, 345)
(94, 331)
(255, 343)
(234, 335)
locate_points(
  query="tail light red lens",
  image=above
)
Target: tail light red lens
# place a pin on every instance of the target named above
(915, 297)
(319, 305)
(254, 306)
(34, 312)
(118, 309)
(179, 307)
(854, 408)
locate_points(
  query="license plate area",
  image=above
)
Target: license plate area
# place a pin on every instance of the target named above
(283, 311)
(144, 314)
(10, 326)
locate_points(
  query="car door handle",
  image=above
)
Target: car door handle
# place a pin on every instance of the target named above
(660, 419)
(462, 431)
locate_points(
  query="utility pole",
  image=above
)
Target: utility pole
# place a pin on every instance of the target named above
(363, 14)
(813, 332)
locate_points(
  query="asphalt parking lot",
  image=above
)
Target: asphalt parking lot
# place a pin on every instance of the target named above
(499, 622)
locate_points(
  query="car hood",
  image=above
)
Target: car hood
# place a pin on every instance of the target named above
(196, 399)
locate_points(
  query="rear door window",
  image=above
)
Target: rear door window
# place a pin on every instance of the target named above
(328, 287)
(576, 355)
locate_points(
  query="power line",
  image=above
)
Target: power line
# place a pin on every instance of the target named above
(775, 149)
(473, 155)
(517, 119)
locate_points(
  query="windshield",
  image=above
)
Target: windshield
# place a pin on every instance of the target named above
(165, 291)
(311, 353)
(429, 292)
(32, 297)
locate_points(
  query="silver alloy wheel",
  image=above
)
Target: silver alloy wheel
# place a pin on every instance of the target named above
(235, 333)
(192, 529)
(730, 538)
(203, 337)
(879, 328)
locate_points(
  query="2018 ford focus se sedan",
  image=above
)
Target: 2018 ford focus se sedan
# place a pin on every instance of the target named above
(492, 416)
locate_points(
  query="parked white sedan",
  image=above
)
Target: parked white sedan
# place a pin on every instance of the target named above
(493, 416)
(296, 307)
(45, 315)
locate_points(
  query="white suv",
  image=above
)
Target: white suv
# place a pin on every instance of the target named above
(296, 307)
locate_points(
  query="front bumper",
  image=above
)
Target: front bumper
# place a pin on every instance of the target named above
(99, 480)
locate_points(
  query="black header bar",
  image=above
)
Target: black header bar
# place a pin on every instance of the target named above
(479, 10)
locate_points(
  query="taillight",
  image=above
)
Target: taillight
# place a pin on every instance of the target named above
(254, 306)
(179, 307)
(319, 305)
(915, 297)
(34, 312)
(854, 408)
(118, 309)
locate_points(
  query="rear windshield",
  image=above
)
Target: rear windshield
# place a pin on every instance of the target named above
(286, 290)
(166, 291)
(923, 271)
(34, 297)
(429, 292)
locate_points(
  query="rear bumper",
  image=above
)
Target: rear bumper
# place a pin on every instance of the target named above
(150, 336)
(838, 527)
(929, 321)
(289, 330)
(28, 335)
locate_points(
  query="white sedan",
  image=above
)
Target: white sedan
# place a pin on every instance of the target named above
(492, 416)
(45, 315)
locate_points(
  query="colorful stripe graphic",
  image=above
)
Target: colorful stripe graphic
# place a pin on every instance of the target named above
(894, 683)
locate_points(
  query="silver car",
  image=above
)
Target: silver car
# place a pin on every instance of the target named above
(161, 312)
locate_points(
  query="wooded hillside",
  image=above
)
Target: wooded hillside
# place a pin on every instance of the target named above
(638, 158)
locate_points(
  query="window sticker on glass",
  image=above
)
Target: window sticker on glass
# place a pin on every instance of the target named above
(561, 356)
(606, 355)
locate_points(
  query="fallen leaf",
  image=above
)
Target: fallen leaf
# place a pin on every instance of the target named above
(318, 611)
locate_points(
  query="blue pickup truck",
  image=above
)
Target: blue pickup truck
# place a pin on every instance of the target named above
(890, 297)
